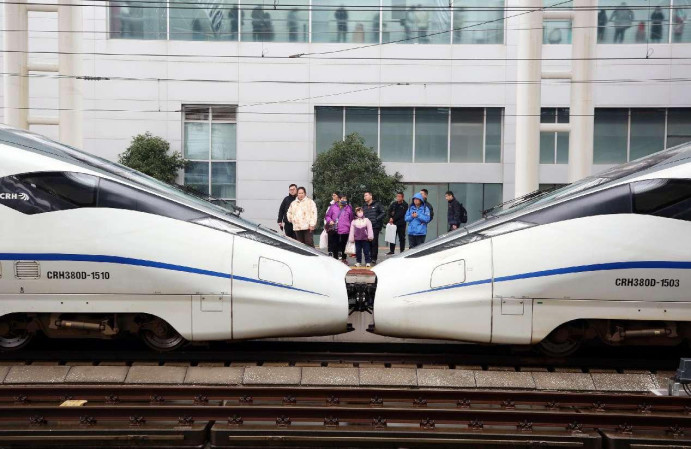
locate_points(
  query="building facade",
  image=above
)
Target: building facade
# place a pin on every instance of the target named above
(251, 91)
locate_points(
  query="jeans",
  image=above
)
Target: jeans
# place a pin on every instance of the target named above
(400, 232)
(305, 237)
(374, 244)
(416, 240)
(360, 247)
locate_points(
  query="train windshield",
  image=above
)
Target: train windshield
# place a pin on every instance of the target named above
(585, 184)
(47, 146)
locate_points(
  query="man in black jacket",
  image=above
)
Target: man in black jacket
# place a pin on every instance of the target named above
(424, 193)
(457, 213)
(376, 214)
(397, 211)
(283, 222)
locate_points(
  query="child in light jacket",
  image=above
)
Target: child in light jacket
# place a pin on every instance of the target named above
(361, 233)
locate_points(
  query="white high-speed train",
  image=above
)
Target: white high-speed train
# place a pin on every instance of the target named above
(89, 248)
(607, 257)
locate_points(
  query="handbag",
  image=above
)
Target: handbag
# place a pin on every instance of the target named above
(390, 235)
(324, 240)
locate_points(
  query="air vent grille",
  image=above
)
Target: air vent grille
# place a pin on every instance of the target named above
(27, 269)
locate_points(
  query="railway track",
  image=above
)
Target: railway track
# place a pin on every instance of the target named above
(452, 355)
(192, 416)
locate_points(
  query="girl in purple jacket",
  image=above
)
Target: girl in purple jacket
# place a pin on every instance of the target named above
(338, 218)
(361, 233)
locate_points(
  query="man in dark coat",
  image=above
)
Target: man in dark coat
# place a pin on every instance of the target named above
(376, 214)
(424, 193)
(457, 214)
(283, 222)
(397, 211)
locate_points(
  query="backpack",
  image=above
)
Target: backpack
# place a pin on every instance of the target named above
(464, 215)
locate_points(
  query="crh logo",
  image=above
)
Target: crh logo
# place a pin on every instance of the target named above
(14, 196)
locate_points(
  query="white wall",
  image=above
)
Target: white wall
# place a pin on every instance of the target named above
(275, 120)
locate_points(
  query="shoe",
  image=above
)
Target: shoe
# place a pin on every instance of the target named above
(368, 265)
(357, 265)
(373, 262)
(390, 253)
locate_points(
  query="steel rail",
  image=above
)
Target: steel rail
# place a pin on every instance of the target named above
(336, 395)
(285, 415)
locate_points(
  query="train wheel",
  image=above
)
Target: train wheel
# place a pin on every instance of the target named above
(14, 339)
(561, 342)
(160, 336)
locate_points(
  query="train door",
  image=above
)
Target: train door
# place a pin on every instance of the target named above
(212, 309)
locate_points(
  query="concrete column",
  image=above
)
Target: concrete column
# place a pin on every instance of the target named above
(582, 106)
(529, 74)
(70, 65)
(16, 88)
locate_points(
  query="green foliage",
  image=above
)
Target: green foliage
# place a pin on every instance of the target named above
(149, 154)
(352, 168)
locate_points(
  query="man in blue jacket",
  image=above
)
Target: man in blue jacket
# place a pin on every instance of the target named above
(417, 218)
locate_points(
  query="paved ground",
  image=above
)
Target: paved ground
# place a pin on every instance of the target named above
(345, 375)
(381, 258)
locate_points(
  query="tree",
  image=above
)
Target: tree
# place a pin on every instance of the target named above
(149, 154)
(352, 168)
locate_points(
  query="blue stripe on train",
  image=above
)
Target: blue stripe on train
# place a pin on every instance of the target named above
(654, 264)
(141, 263)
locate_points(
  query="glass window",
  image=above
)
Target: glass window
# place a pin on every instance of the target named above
(478, 22)
(493, 195)
(467, 134)
(329, 127)
(556, 32)
(681, 31)
(493, 138)
(223, 179)
(647, 132)
(118, 196)
(196, 140)
(268, 21)
(554, 147)
(477, 197)
(611, 136)
(216, 21)
(416, 21)
(211, 150)
(35, 193)
(132, 20)
(364, 122)
(396, 134)
(353, 21)
(669, 198)
(223, 141)
(633, 21)
(678, 126)
(431, 134)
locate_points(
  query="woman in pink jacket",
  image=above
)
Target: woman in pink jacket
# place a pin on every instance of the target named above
(338, 218)
(361, 233)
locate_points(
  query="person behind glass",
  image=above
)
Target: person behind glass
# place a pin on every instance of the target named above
(338, 218)
(397, 211)
(376, 213)
(422, 23)
(417, 216)
(623, 19)
(234, 16)
(257, 23)
(341, 16)
(283, 221)
(293, 25)
(601, 25)
(302, 213)
(656, 19)
(362, 235)
(457, 214)
(424, 194)
(268, 27)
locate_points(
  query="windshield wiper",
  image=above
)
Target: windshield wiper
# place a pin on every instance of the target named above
(232, 210)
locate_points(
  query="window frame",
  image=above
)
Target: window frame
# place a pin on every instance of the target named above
(210, 161)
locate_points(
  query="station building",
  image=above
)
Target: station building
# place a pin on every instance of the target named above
(251, 91)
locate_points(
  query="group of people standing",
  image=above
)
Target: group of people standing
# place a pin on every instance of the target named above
(623, 18)
(297, 217)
